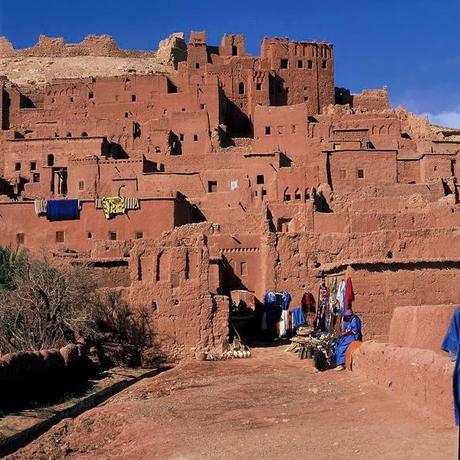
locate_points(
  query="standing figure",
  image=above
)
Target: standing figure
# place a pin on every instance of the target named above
(323, 306)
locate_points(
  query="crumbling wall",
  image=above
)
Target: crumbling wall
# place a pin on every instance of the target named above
(171, 278)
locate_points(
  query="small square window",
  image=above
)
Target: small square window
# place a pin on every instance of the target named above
(305, 98)
(195, 137)
(90, 95)
(300, 64)
(133, 98)
(324, 64)
(112, 236)
(81, 185)
(343, 174)
(212, 186)
(71, 99)
(284, 63)
(17, 166)
(59, 237)
(264, 192)
(258, 86)
(181, 136)
(360, 173)
(197, 65)
(89, 235)
(126, 114)
(202, 106)
(139, 235)
(33, 165)
(36, 177)
(183, 109)
(310, 64)
(267, 130)
(19, 238)
(260, 179)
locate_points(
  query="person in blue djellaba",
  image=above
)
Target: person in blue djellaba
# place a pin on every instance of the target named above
(351, 331)
(451, 344)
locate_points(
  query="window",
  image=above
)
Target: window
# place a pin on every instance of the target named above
(297, 195)
(287, 197)
(112, 236)
(243, 269)
(59, 237)
(324, 64)
(260, 179)
(126, 114)
(258, 86)
(360, 173)
(183, 109)
(284, 224)
(84, 134)
(234, 50)
(202, 106)
(267, 130)
(264, 192)
(305, 98)
(53, 100)
(81, 185)
(139, 235)
(69, 135)
(133, 98)
(19, 238)
(197, 65)
(90, 235)
(337, 146)
(50, 161)
(343, 174)
(36, 177)
(90, 95)
(212, 186)
(310, 64)
(181, 136)
(17, 166)
(300, 64)
(241, 88)
(195, 137)
(284, 63)
(71, 99)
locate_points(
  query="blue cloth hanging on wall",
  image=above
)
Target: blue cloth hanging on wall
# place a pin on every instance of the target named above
(63, 210)
(298, 318)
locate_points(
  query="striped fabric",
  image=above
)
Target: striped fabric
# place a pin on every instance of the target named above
(40, 207)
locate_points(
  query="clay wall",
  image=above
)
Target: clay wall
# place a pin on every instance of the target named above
(172, 278)
(153, 217)
(350, 169)
(437, 166)
(25, 375)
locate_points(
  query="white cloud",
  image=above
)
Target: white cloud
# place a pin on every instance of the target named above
(448, 119)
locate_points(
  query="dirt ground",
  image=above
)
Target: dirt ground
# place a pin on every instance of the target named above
(269, 406)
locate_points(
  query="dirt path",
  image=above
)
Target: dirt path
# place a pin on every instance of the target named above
(270, 406)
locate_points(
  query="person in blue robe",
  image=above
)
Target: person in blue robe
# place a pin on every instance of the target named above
(351, 331)
(451, 344)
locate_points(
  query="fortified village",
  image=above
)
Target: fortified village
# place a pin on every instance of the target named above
(227, 176)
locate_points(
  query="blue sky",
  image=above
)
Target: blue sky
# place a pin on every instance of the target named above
(412, 46)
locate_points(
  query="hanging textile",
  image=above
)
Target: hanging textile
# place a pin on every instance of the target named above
(341, 296)
(298, 318)
(349, 294)
(40, 207)
(285, 300)
(323, 304)
(131, 203)
(112, 206)
(62, 210)
(284, 323)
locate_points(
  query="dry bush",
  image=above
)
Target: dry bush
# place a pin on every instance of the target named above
(47, 307)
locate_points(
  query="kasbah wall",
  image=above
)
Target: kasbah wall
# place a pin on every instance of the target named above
(250, 172)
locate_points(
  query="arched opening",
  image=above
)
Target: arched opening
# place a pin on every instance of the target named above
(241, 88)
(84, 134)
(287, 195)
(297, 195)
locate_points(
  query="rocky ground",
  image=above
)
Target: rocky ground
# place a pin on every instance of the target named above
(38, 70)
(268, 406)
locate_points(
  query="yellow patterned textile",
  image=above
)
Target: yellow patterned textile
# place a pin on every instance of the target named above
(112, 206)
